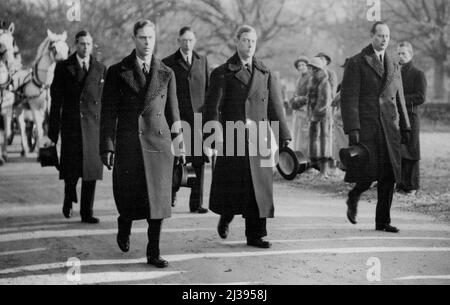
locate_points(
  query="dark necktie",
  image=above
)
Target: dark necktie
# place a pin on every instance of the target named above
(249, 68)
(84, 67)
(381, 59)
(188, 61)
(144, 70)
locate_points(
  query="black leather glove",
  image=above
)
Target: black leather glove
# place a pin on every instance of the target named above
(406, 137)
(353, 137)
(108, 159)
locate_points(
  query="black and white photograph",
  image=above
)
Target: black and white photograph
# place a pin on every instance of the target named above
(225, 148)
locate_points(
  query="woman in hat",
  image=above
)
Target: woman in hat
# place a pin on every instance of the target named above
(319, 102)
(299, 104)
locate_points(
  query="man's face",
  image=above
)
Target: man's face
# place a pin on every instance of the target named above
(145, 41)
(246, 45)
(380, 40)
(187, 42)
(404, 54)
(84, 46)
(302, 67)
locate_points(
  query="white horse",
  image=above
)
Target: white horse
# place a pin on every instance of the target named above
(7, 62)
(33, 87)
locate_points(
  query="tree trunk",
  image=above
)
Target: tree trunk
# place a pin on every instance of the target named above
(439, 78)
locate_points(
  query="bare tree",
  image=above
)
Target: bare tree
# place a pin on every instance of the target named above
(427, 25)
(219, 21)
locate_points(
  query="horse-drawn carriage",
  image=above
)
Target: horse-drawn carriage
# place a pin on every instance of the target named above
(25, 97)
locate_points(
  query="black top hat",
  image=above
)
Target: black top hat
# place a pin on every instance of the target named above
(356, 156)
(183, 176)
(291, 163)
(48, 156)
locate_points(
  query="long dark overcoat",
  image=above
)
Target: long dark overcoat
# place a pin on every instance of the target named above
(75, 112)
(137, 116)
(415, 89)
(192, 84)
(236, 97)
(372, 102)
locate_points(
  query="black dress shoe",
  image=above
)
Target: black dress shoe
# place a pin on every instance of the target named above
(223, 228)
(352, 209)
(158, 262)
(123, 243)
(67, 209)
(386, 228)
(200, 210)
(259, 243)
(90, 220)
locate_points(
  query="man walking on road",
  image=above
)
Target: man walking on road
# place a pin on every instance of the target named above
(139, 108)
(374, 115)
(415, 89)
(75, 112)
(192, 77)
(243, 91)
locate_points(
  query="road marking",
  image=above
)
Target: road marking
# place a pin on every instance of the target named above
(20, 236)
(22, 251)
(87, 278)
(423, 277)
(257, 253)
(238, 242)
(32, 227)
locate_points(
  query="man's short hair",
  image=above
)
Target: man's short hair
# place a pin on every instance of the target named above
(80, 34)
(142, 23)
(407, 45)
(375, 25)
(244, 29)
(185, 29)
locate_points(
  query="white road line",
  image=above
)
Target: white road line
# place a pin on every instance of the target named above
(423, 277)
(32, 227)
(238, 242)
(22, 251)
(87, 278)
(20, 236)
(185, 257)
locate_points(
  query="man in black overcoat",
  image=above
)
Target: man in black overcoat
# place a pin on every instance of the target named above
(192, 76)
(244, 92)
(374, 115)
(140, 117)
(76, 93)
(415, 89)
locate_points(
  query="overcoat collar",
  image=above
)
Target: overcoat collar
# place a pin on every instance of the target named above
(136, 80)
(182, 62)
(257, 78)
(74, 67)
(374, 63)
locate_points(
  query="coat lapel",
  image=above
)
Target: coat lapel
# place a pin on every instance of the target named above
(159, 75)
(133, 75)
(390, 72)
(259, 70)
(373, 61)
(235, 65)
(94, 73)
(73, 67)
(182, 62)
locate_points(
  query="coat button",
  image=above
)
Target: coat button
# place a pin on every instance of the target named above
(160, 132)
(81, 115)
(162, 95)
(141, 132)
(159, 114)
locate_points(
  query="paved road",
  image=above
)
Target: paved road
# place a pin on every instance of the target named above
(312, 242)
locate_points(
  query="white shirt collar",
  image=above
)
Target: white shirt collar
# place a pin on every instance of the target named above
(85, 60)
(378, 53)
(189, 56)
(147, 62)
(246, 62)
